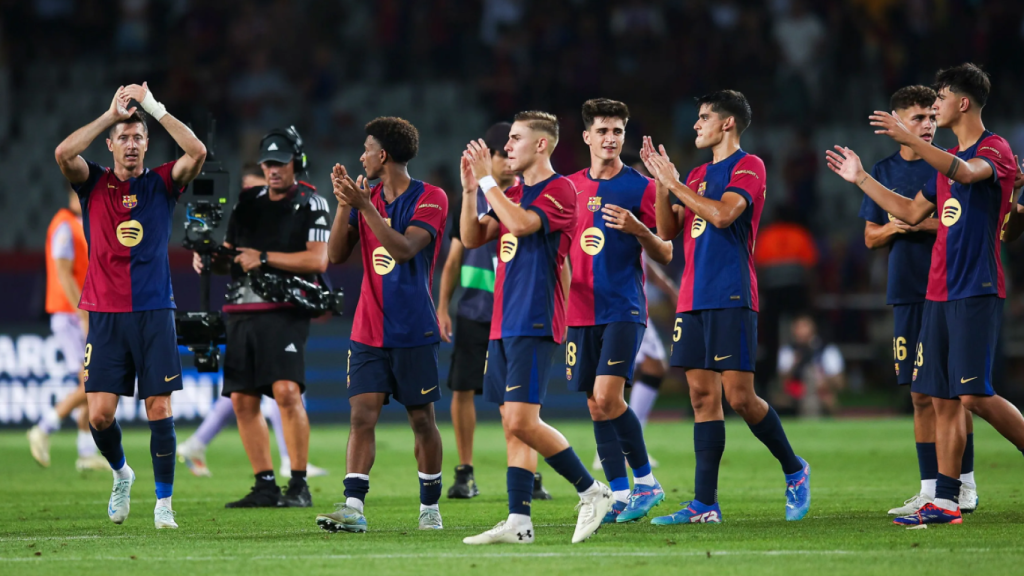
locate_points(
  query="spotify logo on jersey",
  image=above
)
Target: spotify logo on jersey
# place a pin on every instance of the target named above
(698, 226)
(509, 245)
(382, 261)
(129, 233)
(592, 241)
(950, 212)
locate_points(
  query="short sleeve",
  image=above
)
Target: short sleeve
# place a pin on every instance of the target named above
(647, 214)
(786, 359)
(832, 363)
(164, 171)
(318, 222)
(62, 245)
(929, 190)
(431, 212)
(996, 152)
(747, 179)
(95, 171)
(871, 211)
(556, 206)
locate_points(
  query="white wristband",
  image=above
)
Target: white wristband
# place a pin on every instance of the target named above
(488, 182)
(152, 107)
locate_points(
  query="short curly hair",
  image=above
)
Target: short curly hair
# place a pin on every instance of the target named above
(397, 136)
(603, 108)
(908, 96)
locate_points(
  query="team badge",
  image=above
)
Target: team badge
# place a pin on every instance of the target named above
(594, 203)
(129, 233)
(897, 368)
(701, 188)
(85, 375)
(914, 377)
(592, 241)
(129, 201)
(568, 373)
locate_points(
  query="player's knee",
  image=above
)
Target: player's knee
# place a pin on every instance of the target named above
(701, 400)
(422, 422)
(363, 420)
(158, 407)
(610, 405)
(744, 404)
(100, 420)
(288, 395)
(972, 403)
(519, 426)
(922, 403)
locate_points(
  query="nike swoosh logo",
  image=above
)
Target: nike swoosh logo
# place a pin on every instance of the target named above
(610, 363)
(507, 389)
(719, 359)
(166, 379)
(422, 391)
(159, 455)
(965, 381)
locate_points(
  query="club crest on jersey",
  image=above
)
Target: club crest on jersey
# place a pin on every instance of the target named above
(897, 368)
(509, 245)
(594, 203)
(592, 241)
(701, 188)
(129, 201)
(383, 262)
(950, 212)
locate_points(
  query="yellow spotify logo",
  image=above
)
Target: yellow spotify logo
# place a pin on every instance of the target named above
(950, 212)
(592, 241)
(891, 217)
(129, 233)
(509, 245)
(382, 261)
(698, 226)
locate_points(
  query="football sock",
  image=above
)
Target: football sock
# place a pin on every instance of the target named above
(109, 443)
(568, 465)
(519, 482)
(356, 487)
(708, 446)
(163, 502)
(610, 452)
(162, 446)
(967, 463)
(298, 477)
(430, 488)
(218, 416)
(86, 445)
(769, 431)
(928, 488)
(631, 438)
(947, 492)
(273, 414)
(265, 480)
(50, 422)
(643, 396)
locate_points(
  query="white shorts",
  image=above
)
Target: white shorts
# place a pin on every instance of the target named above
(67, 331)
(651, 346)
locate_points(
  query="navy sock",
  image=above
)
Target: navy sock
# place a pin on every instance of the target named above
(947, 488)
(356, 487)
(108, 442)
(609, 451)
(519, 482)
(430, 488)
(708, 445)
(162, 446)
(967, 464)
(769, 431)
(631, 438)
(927, 461)
(568, 464)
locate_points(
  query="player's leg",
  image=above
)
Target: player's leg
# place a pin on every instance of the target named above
(927, 461)
(362, 444)
(950, 437)
(295, 427)
(252, 429)
(610, 459)
(427, 449)
(192, 452)
(465, 380)
(89, 457)
(162, 446)
(968, 488)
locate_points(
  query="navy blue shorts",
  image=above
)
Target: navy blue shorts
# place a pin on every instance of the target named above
(603, 350)
(905, 338)
(719, 340)
(408, 374)
(123, 346)
(517, 369)
(958, 347)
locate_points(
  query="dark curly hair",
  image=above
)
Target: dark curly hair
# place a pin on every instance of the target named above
(603, 108)
(908, 96)
(397, 136)
(967, 80)
(728, 103)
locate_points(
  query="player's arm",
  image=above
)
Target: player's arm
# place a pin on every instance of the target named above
(1013, 225)
(345, 229)
(566, 276)
(964, 172)
(475, 231)
(519, 221)
(847, 165)
(191, 163)
(618, 218)
(449, 280)
(879, 235)
(719, 213)
(669, 216)
(72, 165)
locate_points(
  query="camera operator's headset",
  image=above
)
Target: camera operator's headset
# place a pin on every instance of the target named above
(292, 136)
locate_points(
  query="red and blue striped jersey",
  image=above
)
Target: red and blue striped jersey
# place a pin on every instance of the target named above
(719, 266)
(528, 297)
(128, 226)
(395, 308)
(965, 258)
(607, 265)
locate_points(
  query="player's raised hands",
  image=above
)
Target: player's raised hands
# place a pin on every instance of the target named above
(658, 163)
(846, 163)
(338, 175)
(354, 193)
(479, 156)
(119, 105)
(469, 180)
(618, 218)
(889, 124)
(136, 92)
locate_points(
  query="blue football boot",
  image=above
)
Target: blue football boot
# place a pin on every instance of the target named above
(693, 512)
(930, 514)
(798, 492)
(641, 500)
(612, 514)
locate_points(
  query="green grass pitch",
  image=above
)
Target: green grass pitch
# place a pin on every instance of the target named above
(53, 521)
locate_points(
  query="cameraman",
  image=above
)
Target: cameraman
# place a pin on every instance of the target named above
(280, 228)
